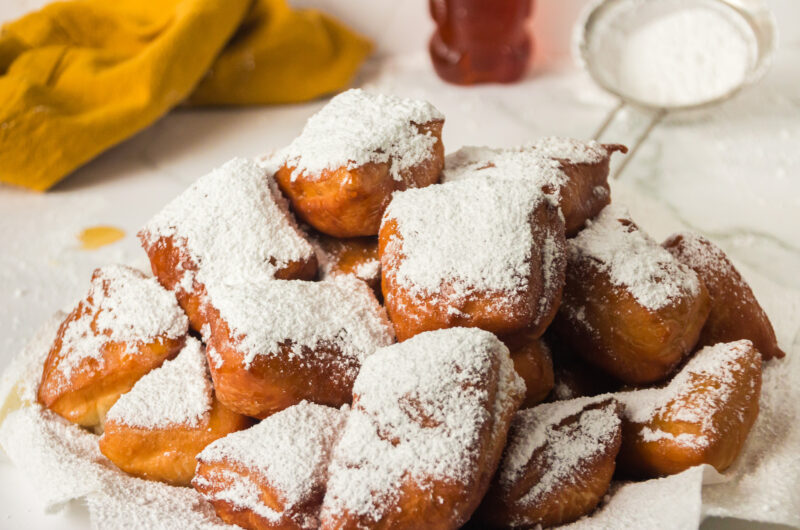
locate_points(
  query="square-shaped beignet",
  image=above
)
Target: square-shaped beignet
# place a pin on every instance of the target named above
(557, 465)
(156, 430)
(429, 421)
(275, 343)
(629, 307)
(274, 474)
(703, 416)
(230, 225)
(735, 312)
(474, 253)
(341, 171)
(574, 173)
(126, 326)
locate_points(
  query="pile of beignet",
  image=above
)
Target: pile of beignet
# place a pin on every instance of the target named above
(356, 333)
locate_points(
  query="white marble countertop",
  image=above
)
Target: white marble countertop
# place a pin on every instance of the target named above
(733, 172)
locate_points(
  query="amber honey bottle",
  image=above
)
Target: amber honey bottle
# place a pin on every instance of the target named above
(480, 41)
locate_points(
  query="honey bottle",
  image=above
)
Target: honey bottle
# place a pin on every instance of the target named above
(480, 41)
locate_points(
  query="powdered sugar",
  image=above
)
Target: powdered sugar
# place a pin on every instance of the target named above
(506, 164)
(341, 311)
(678, 54)
(633, 260)
(723, 363)
(356, 128)
(125, 306)
(699, 253)
(240, 490)
(369, 270)
(540, 162)
(290, 449)
(560, 450)
(179, 393)
(234, 226)
(420, 408)
(465, 236)
(570, 150)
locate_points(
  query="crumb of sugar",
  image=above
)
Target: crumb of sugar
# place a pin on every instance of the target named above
(565, 449)
(470, 236)
(126, 307)
(290, 450)
(233, 224)
(178, 393)
(721, 363)
(419, 412)
(633, 260)
(356, 128)
(341, 311)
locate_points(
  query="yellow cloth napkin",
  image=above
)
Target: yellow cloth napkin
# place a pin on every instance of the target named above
(79, 77)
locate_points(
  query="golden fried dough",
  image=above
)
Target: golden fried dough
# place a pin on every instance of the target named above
(126, 326)
(735, 312)
(356, 255)
(474, 253)
(156, 430)
(429, 421)
(274, 474)
(629, 307)
(340, 173)
(703, 416)
(534, 364)
(572, 172)
(230, 225)
(275, 343)
(557, 465)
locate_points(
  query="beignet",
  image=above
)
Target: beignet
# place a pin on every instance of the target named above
(735, 312)
(275, 343)
(272, 475)
(534, 364)
(126, 326)
(473, 253)
(629, 307)
(557, 465)
(231, 225)
(429, 421)
(572, 172)
(341, 171)
(703, 416)
(156, 430)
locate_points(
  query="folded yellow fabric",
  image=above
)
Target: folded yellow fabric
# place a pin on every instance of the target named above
(78, 77)
(281, 55)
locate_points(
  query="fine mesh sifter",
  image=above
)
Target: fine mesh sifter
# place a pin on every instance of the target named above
(667, 56)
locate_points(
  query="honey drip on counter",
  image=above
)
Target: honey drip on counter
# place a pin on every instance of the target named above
(95, 237)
